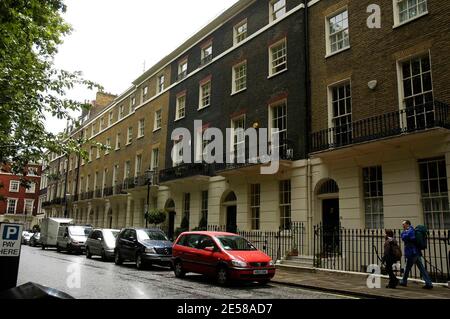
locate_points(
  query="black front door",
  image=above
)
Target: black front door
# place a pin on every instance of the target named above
(171, 230)
(330, 223)
(232, 219)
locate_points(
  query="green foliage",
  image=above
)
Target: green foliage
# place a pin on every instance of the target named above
(30, 85)
(156, 216)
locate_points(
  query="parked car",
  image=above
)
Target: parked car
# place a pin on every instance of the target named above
(26, 236)
(35, 240)
(72, 238)
(101, 242)
(224, 256)
(143, 246)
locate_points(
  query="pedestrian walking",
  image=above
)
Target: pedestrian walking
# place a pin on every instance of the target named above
(413, 256)
(392, 254)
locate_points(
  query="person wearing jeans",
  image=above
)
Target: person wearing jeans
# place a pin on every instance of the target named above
(413, 256)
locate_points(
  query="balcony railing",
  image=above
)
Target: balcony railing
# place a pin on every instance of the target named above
(206, 60)
(87, 195)
(143, 180)
(108, 191)
(98, 193)
(181, 76)
(412, 119)
(184, 171)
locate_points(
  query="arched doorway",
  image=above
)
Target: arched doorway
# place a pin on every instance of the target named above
(170, 209)
(328, 195)
(230, 204)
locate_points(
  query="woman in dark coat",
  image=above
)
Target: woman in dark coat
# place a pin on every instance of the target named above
(389, 258)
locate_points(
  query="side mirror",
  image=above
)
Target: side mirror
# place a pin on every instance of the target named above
(100, 239)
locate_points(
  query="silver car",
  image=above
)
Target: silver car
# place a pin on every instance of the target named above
(101, 242)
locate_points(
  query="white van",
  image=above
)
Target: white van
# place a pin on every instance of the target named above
(49, 230)
(73, 238)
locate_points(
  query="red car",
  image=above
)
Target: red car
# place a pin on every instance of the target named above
(225, 256)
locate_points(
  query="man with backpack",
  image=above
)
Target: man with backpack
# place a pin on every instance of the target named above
(413, 253)
(392, 254)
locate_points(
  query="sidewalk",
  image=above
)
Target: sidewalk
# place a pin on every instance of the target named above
(353, 284)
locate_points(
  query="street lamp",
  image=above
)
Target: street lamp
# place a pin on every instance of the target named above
(149, 175)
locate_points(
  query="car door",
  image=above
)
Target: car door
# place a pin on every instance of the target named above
(95, 243)
(206, 258)
(130, 244)
(191, 253)
(121, 243)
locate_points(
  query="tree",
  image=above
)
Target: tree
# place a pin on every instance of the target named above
(30, 84)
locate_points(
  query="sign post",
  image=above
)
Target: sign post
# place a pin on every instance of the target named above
(10, 244)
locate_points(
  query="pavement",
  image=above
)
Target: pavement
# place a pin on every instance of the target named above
(354, 284)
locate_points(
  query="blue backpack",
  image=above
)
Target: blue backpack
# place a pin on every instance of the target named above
(421, 233)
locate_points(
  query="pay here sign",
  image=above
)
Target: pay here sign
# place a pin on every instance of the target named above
(10, 240)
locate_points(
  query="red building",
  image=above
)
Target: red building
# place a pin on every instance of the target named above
(19, 204)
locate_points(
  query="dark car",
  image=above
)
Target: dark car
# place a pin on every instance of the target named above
(224, 256)
(35, 240)
(143, 246)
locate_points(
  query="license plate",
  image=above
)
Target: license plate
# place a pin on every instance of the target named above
(260, 272)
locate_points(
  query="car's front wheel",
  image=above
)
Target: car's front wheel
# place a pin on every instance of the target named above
(88, 253)
(179, 270)
(140, 264)
(117, 259)
(222, 276)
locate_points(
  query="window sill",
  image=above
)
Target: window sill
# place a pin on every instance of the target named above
(337, 52)
(117, 149)
(139, 137)
(398, 25)
(156, 130)
(128, 144)
(275, 74)
(179, 119)
(204, 107)
(237, 92)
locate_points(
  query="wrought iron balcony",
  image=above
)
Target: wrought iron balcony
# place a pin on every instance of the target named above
(46, 204)
(140, 181)
(98, 193)
(413, 119)
(108, 191)
(185, 171)
(87, 195)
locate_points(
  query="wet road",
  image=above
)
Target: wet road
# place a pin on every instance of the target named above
(90, 279)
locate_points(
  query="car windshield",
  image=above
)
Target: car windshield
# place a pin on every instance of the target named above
(235, 243)
(144, 234)
(79, 230)
(110, 234)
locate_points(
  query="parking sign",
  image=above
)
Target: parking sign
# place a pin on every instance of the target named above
(10, 240)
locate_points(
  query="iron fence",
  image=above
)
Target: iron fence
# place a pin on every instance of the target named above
(355, 249)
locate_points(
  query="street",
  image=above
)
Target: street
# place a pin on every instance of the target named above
(105, 280)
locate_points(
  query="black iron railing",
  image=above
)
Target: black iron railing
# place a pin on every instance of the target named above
(181, 76)
(184, 171)
(412, 119)
(108, 191)
(143, 180)
(356, 249)
(46, 204)
(98, 193)
(206, 60)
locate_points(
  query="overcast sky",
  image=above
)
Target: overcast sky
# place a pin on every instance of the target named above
(112, 39)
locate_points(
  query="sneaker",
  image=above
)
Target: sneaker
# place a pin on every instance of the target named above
(427, 287)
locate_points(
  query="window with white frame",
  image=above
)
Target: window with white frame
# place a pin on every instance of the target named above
(205, 94)
(129, 135)
(155, 159)
(141, 128)
(279, 122)
(240, 32)
(102, 123)
(255, 206)
(121, 112)
(182, 69)
(158, 120)
(373, 197)
(31, 171)
(177, 156)
(417, 91)
(115, 174)
(95, 180)
(93, 132)
(31, 189)
(434, 189)
(239, 75)
(110, 118)
(144, 93)
(28, 206)
(127, 170)
(98, 152)
(206, 54)
(117, 141)
(132, 104)
(90, 154)
(277, 9)
(407, 10)
(285, 204)
(108, 145)
(14, 186)
(338, 36)
(161, 83)
(138, 165)
(11, 206)
(278, 57)
(238, 129)
(180, 111)
(341, 113)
